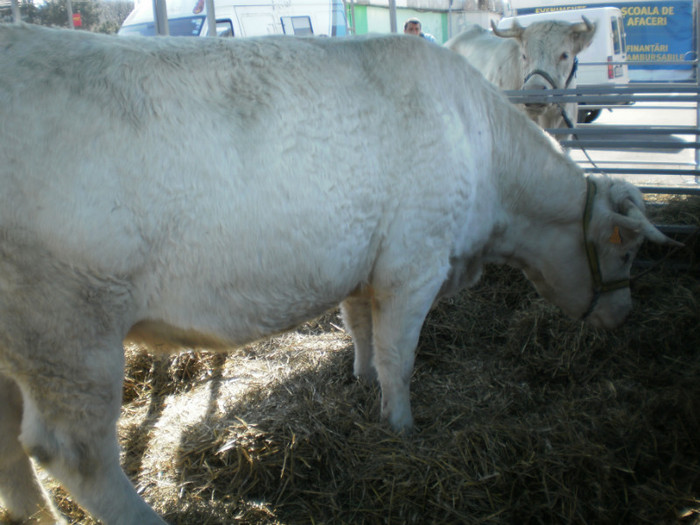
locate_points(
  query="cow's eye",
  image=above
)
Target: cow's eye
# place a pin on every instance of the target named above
(626, 258)
(565, 56)
(524, 57)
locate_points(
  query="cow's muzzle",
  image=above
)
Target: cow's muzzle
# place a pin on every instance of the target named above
(541, 73)
(538, 80)
(535, 80)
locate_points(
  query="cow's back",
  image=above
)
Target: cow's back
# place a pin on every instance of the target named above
(261, 175)
(498, 59)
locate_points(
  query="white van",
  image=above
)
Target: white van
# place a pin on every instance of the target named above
(241, 18)
(603, 62)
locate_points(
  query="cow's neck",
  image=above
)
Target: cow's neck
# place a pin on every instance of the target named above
(539, 195)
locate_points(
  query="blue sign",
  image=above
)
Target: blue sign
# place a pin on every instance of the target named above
(657, 31)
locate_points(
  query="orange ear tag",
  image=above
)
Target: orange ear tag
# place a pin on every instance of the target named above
(615, 237)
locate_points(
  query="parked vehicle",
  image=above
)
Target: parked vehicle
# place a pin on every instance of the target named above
(603, 62)
(241, 18)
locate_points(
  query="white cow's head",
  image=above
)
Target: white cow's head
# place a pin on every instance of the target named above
(587, 271)
(549, 52)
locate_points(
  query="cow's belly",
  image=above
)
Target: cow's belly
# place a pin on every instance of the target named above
(251, 292)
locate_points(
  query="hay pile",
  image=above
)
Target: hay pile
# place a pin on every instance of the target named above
(523, 416)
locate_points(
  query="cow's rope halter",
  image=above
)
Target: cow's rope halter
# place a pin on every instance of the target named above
(599, 286)
(562, 110)
(554, 85)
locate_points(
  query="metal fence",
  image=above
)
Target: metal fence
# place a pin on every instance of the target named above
(653, 139)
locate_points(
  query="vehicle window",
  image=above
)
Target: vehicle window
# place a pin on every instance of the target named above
(138, 29)
(617, 41)
(297, 25)
(224, 28)
(190, 26)
(623, 35)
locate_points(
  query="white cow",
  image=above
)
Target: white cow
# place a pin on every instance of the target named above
(209, 192)
(540, 56)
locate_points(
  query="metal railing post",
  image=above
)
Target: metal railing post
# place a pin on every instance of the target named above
(160, 17)
(697, 81)
(211, 18)
(16, 16)
(69, 11)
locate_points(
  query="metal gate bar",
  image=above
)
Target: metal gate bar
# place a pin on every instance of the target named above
(626, 144)
(628, 130)
(648, 150)
(641, 171)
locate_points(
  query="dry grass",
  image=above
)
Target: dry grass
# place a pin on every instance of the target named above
(523, 416)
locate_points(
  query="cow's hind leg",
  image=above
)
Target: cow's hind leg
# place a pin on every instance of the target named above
(22, 495)
(69, 427)
(357, 318)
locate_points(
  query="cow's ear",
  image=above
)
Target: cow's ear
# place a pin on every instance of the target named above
(624, 229)
(624, 232)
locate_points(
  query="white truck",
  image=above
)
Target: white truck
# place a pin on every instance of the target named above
(242, 18)
(603, 62)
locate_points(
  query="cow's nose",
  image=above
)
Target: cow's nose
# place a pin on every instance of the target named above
(535, 108)
(534, 85)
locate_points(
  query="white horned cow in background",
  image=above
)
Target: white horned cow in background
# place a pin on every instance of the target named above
(206, 208)
(539, 56)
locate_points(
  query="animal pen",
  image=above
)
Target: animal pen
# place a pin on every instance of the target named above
(523, 415)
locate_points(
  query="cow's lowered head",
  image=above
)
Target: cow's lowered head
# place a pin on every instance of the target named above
(589, 277)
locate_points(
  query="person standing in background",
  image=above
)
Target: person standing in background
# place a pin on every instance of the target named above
(413, 26)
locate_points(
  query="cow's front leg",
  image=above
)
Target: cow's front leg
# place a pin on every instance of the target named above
(398, 317)
(357, 318)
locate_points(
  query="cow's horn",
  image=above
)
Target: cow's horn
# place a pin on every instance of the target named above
(583, 27)
(647, 229)
(515, 31)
